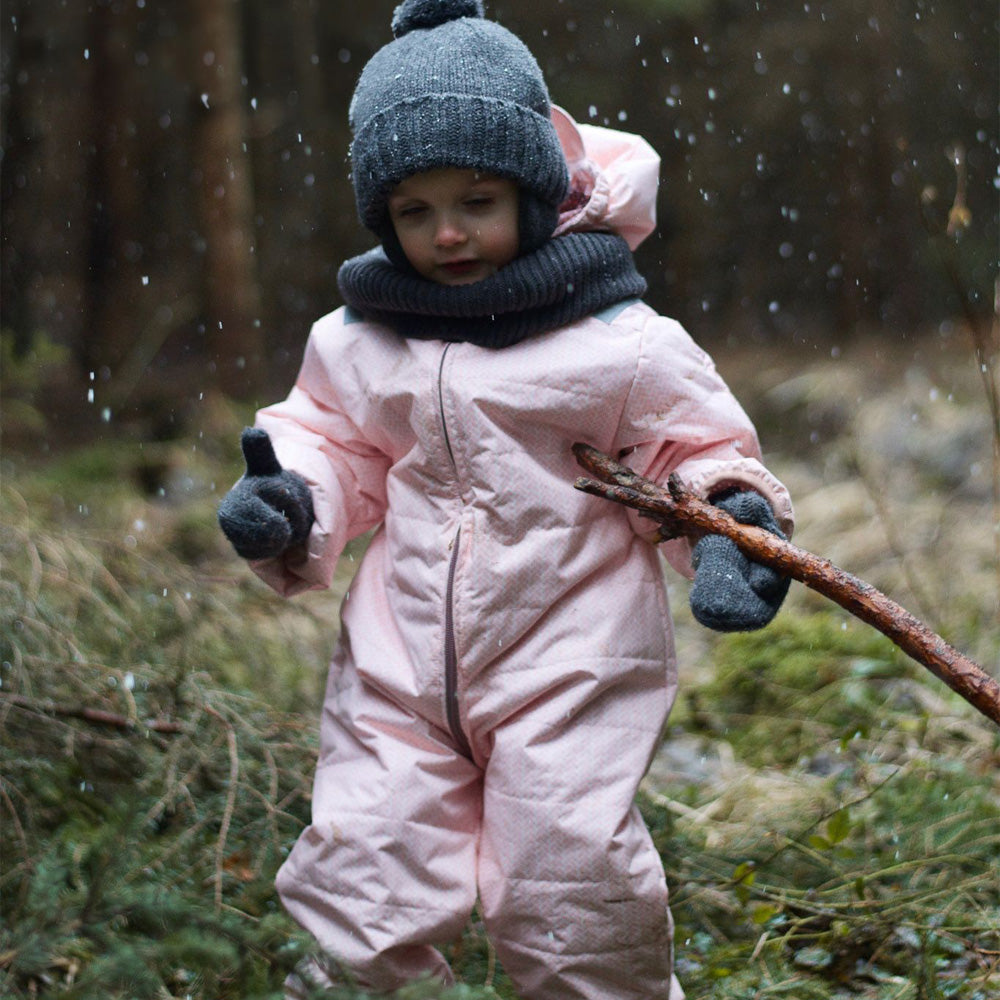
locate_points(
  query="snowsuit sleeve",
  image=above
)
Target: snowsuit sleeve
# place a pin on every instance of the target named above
(681, 417)
(314, 435)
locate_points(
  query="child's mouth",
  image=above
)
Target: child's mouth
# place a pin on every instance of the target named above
(460, 268)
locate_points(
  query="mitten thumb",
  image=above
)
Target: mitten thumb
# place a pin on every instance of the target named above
(258, 452)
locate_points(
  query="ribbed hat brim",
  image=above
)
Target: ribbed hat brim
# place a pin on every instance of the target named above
(454, 130)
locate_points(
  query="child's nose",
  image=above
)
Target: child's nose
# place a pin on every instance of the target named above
(449, 233)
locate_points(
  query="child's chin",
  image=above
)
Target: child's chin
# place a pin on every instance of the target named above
(469, 277)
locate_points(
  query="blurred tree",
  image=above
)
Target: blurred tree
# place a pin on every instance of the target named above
(47, 74)
(118, 177)
(221, 170)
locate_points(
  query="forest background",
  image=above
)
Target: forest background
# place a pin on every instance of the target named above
(175, 195)
(175, 205)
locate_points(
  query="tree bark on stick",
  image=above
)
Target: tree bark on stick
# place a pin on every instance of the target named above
(680, 512)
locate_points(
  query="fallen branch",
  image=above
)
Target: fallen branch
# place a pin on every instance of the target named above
(97, 716)
(681, 513)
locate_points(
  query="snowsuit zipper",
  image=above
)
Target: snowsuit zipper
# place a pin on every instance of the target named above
(444, 423)
(451, 659)
(450, 650)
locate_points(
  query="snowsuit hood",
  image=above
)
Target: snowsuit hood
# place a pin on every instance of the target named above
(614, 178)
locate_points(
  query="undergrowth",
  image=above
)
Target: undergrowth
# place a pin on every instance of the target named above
(850, 845)
(158, 708)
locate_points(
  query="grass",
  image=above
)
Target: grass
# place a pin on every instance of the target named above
(844, 843)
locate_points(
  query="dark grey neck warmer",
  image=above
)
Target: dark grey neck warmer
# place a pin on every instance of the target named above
(569, 277)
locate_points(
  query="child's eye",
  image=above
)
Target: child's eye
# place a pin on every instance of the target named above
(409, 211)
(479, 201)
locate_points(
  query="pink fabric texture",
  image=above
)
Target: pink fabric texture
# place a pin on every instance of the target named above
(505, 664)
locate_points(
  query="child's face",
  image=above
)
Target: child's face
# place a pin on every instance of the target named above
(455, 226)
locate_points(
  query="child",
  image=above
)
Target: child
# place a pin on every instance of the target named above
(505, 665)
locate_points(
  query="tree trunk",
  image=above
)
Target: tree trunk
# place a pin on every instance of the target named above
(117, 234)
(222, 171)
(45, 216)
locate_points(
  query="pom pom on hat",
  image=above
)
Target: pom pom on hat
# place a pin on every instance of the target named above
(414, 14)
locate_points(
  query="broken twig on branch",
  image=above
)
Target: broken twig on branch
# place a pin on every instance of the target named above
(98, 716)
(681, 513)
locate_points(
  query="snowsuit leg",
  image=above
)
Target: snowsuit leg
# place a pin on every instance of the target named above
(388, 863)
(572, 888)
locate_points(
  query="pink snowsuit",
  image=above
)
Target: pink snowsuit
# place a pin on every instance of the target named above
(505, 664)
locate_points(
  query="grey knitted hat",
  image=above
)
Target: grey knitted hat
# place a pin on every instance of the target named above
(454, 90)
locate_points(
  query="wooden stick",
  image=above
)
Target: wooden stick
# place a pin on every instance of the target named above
(98, 716)
(680, 512)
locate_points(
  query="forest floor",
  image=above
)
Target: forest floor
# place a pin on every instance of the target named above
(827, 811)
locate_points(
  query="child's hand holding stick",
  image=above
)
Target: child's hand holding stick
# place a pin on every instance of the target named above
(680, 512)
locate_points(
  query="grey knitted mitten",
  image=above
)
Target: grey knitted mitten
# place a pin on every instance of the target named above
(731, 593)
(269, 509)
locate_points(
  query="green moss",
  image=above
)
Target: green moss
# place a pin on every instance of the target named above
(776, 693)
